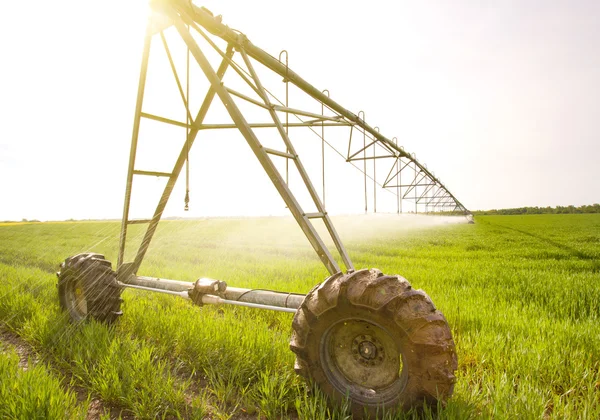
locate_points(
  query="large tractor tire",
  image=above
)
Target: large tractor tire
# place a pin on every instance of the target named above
(88, 288)
(372, 339)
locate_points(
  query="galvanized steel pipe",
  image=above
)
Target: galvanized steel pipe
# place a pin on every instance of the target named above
(265, 299)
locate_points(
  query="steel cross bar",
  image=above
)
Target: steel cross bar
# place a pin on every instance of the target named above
(440, 199)
(339, 120)
(245, 98)
(374, 143)
(370, 158)
(200, 17)
(214, 26)
(174, 70)
(444, 194)
(395, 152)
(168, 121)
(428, 198)
(189, 21)
(318, 117)
(232, 126)
(425, 198)
(361, 150)
(443, 200)
(444, 204)
(173, 179)
(134, 140)
(389, 179)
(426, 191)
(435, 195)
(300, 167)
(350, 141)
(394, 165)
(414, 183)
(271, 125)
(257, 148)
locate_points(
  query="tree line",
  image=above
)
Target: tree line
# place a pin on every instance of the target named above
(589, 208)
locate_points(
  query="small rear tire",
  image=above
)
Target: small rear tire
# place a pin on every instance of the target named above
(372, 339)
(88, 288)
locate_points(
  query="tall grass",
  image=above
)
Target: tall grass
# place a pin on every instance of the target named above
(34, 393)
(521, 293)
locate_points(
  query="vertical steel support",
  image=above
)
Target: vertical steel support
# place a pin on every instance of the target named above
(178, 166)
(134, 140)
(375, 175)
(415, 188)
(399, 183)
(285, 79)
(395, 140)
(322, 144)
(374, 181)
(258, 150)
(186, 200)
(399, 169)
(303, 174)
(364, 157)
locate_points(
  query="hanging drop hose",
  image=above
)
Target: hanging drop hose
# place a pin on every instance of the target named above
(186, 206)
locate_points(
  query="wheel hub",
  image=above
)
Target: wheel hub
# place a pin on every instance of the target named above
(362, 358)
(367, 350)
(77, 299)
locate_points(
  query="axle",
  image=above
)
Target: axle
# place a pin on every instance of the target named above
(207, 291)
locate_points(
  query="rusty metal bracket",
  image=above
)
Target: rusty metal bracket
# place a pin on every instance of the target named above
(205, 286)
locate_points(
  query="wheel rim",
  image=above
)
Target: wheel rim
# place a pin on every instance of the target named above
(76, 300)
(362, 361)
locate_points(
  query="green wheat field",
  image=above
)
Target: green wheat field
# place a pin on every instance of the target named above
(521, 294)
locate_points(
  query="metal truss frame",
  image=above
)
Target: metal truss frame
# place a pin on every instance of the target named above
(191, 22)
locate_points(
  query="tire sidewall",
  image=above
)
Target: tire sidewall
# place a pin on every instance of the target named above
(98, 280)
(382, 318)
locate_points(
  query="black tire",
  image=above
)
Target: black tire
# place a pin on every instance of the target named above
(373, 339)
(88, 288)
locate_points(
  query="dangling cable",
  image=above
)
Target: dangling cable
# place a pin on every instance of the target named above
(187, 131)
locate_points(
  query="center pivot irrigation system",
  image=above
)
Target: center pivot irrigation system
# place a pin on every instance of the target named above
(359, 334)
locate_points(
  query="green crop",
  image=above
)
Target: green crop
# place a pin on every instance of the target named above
(521, 294)
(33, 391)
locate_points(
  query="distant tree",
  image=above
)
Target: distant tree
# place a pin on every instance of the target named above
(593, 208)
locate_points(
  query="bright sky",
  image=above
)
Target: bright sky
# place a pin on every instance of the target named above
(500, 99)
